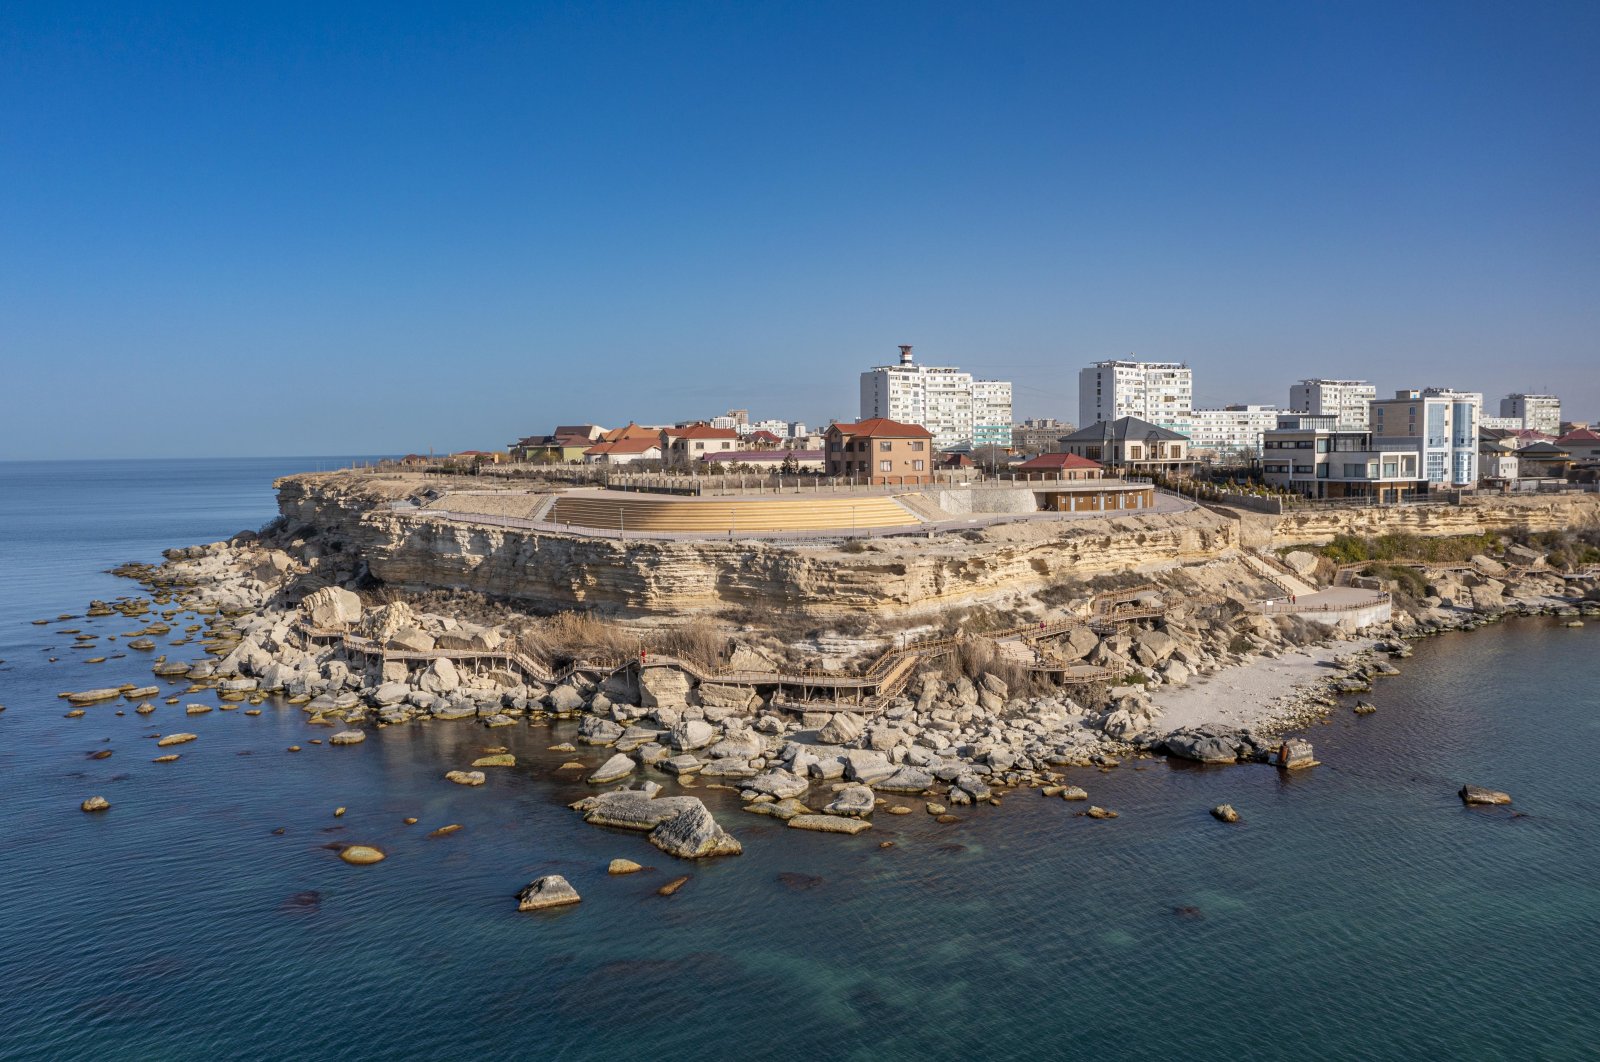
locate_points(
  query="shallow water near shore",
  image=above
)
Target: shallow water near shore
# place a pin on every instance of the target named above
(1358, 910)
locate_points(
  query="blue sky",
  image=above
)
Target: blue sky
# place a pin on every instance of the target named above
(343, 228)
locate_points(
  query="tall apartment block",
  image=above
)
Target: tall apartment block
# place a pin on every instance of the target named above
(1233, 431)
(1345, 399)
(1539, 412)
(1161, 392)
(957, 409)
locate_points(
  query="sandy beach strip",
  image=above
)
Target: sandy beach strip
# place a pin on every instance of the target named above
(1253, 695)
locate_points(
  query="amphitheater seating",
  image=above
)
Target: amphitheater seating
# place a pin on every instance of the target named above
(617, 510)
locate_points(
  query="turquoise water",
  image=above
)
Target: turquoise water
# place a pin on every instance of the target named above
(1358, 911)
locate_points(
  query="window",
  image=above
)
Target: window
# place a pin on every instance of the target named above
(917, 446)
(916, 466)
(1302, 470)
(1322, 446)
(1390, 470)
(1322, 471)
(885, 466)
(885, 446)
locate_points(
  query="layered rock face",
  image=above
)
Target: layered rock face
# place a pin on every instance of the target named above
(1490, 514)
(352, 524)
(891, 576)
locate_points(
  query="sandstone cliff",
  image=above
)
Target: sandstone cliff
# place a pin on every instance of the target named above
(350, 515)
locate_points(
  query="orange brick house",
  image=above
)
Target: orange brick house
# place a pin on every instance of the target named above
(880, 451)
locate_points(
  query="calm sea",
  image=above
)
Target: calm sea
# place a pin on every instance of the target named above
(1358, 911)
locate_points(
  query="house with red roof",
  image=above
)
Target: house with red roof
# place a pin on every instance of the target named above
(880, 451)
(688, 443)
(1582, 443)
(1060, 466)
(762, 439)
(624, 450)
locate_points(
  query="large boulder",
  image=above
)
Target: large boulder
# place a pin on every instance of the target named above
(1208, 746)
(1077, 643)
(906, 780)
(777, 782)
(694, 834)
(380, 623)
(552, 890)
(1477, 794)
(615, 769)
(631, 809)
(866, 766)
(594, 730)
(1153, 648)
(411, 640)
(716, 695)
(332, 606)
(693, 734)
(439, 677)
(1301, 563)
(855, 801)
(565, 698)
(663, 687)
(740, 745)
(842, 729)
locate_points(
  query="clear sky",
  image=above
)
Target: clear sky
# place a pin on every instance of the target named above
(346, 228)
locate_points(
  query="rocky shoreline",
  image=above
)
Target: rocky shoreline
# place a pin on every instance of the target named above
(949, 740)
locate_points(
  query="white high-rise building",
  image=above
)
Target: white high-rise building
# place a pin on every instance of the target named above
(957, 409)
(1232, 432)
(1346, 399)
(1539, 412)
(991, 413)
(1161, 392)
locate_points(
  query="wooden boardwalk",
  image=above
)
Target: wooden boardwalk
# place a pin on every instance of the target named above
(868, 688)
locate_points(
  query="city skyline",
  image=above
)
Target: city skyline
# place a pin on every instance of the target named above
(370, 230)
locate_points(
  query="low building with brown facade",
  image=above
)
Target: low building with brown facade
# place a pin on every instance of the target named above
(880, 451)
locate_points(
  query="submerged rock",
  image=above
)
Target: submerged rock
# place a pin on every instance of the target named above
(1225, 813)
(348, 737)
(623, 866)
(466, 777)
(829, 824)
(95, 803)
